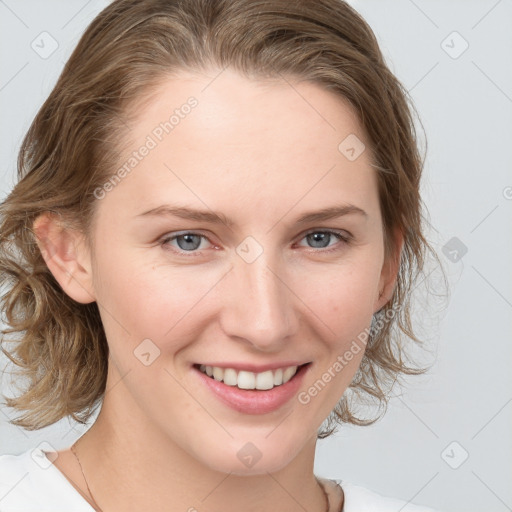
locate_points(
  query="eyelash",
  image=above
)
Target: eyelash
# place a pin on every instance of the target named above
(344, 237)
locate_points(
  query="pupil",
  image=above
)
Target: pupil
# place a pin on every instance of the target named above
(320, 237)
(189, 239)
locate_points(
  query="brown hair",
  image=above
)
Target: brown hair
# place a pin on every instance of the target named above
(73, 144)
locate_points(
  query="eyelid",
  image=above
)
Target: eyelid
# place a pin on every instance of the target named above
(341, 232)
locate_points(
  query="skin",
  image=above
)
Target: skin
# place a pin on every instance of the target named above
(263, 153)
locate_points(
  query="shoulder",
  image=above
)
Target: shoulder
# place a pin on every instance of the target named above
(361, 499)
(29, 482)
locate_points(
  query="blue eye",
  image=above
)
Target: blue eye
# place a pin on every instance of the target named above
(321, 239)
(189, 243)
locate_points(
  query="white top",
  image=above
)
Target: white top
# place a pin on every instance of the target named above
(29, 482)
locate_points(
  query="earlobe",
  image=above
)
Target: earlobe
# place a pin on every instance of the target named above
(389, 272)
(66, 256)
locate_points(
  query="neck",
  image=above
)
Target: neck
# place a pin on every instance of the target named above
(131, 465)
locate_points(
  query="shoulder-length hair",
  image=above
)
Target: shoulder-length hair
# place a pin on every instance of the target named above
(71, 148)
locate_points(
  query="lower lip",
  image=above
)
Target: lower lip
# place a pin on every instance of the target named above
(253, 401)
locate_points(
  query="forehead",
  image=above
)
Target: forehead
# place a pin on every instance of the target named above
(228, 101)
(220, 136)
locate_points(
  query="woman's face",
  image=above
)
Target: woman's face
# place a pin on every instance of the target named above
(260, 289)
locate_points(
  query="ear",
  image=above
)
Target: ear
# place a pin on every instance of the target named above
(67, 256)
(389, 272)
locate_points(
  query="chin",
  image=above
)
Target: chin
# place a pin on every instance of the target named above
(246, 458)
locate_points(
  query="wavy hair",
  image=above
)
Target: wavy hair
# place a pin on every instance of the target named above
(58, 345)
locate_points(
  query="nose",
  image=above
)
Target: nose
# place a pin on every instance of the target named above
(258, 305)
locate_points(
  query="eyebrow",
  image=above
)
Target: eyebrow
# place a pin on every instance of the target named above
(213, 217)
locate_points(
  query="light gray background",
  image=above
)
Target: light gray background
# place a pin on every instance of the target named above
(465, 103)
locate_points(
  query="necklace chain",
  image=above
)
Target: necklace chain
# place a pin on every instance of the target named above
(73, 449)
(97, 507)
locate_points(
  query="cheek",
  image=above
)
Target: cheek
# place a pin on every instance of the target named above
(343, 295)
(149, 300)
(342, 306)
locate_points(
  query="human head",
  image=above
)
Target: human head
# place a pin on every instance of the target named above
(73, 147)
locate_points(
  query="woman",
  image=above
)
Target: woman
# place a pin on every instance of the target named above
(217, 226)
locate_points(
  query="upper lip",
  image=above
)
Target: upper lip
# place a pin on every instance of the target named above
(255, 368)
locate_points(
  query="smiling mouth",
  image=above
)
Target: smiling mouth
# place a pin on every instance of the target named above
(242, 379)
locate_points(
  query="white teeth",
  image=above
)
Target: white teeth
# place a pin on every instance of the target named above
(250, 380)
(265, 380)
(289, 373)
(230, 377)
(246, 380)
